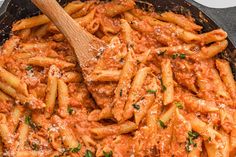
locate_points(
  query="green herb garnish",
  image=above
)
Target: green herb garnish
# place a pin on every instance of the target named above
(179, 105)
(121, 92)
(162, 53)
(136, 106)
(162, 124)
(35, 147)
(29, 122)
(76, 149)
(70, 110)
(182, 56)
(163, 87)
(28, 68)
(174, 56)
(88, 153)
(107, 154)
(192, 135)
(151, 91)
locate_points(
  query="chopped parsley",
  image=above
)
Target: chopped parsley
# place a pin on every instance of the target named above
(163, 87)
(209, 139)
(192, 135)
(161, 53)
(70, 110)
(136, 106)
(182, 56)
(29, 122)
(179, 105)
(151, 91)
(76, 149)
(88, 153)
(121, 92)
(35, 147)
(162, 124)
(28, 68)
(107, 154)
(174, 56)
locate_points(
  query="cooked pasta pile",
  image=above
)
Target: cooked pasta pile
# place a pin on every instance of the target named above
(156, 90)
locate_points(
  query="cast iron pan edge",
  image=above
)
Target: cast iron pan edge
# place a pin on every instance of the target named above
(13, 10)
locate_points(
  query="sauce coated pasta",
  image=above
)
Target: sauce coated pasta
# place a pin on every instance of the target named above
(157, 90)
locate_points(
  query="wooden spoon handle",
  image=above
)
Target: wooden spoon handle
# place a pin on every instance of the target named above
(78, 38)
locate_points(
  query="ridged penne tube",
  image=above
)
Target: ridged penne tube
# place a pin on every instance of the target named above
(23, 131)
(114, 8)
(195, 104)
(63, 98)
(14, 117)
(203, 129)
(220, 88)
(43, 19)
(85, 20)
(212, 50)
(218, 147)
(13, 81)
(137, 24)
(116, 129)
(121, 92)
(88, 5)
(196, 151)
(25, 33)
(134, 92)
(10, 45)
(47, 62)
(227, 77)
(165, 117)
(31, 101)
(5, 134)
(213, 36)
(105, 75)
(126, 31)
(180, 20)
(186, 36)
(152, 118)
(4, 97)
(186, 49)
(105, 113)
(167, 81)
(69, 139)
(72, 77)
(51, 90)
(88, 141)
(41, 31)
(145, 103)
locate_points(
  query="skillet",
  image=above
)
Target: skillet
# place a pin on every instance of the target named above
(13, 10)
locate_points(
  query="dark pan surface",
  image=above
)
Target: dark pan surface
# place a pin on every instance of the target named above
(14, 10)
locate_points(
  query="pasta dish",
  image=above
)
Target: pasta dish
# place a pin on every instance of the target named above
(157, 90)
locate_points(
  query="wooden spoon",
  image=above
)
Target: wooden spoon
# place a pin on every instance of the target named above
(86, 46)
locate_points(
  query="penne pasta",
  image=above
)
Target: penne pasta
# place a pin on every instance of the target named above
(134, 95)
(47, 62)
(13, 81)
(115, 129)
(63, 98)
(43, 19)
(145, 103)
(227, 77)
(121, 92)
(105, 75)
(23, 132)
(167, 81)
(165, 117)
(52, 87)
(180, 20)
(14, 117)
(72, 77)
(212, 50)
